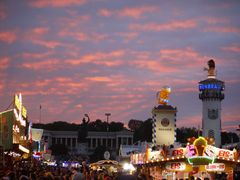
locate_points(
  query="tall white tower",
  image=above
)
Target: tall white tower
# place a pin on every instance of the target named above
(211, 93)
(164, 120)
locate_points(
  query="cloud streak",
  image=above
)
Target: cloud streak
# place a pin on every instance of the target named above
(130, 12)
(8, 37)
(169, 26)
(56, 4)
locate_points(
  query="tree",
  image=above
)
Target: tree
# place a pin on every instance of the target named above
(229, 137)
(144, 132)
(58, 126)
(185, 132)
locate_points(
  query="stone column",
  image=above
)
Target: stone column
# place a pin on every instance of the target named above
(91, 143)
(111, 143)
(116, 142)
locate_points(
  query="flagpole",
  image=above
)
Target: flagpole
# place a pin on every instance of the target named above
(40, 114)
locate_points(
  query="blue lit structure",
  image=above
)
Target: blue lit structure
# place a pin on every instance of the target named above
(211, 89)
(211, 92)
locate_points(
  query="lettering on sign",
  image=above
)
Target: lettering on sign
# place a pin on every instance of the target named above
(176, 166)
(215, 167)
(225, 154)
(178, 152)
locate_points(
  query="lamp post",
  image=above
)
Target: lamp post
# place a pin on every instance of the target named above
(107, 114)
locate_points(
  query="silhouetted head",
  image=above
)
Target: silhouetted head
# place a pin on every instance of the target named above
(211, 63)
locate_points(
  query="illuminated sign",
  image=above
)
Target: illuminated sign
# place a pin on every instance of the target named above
(175, 166)
(24, 112)
(223, 153)
(200, 145)
(16, 129)
(19, 118)
(215, 167)
(17, 102)
(23, 149)
(19, 105)
(191, 151)
(178, 152)
(210, 151)
(163, 95)
(200, 160)
(210, 86)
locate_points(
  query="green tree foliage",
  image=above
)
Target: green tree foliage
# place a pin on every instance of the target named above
(186, 132)
(229, 137)
(100, 125)
(58, 126)
(144, 132)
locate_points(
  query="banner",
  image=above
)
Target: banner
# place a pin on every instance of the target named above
(37, 134)
(6, 134)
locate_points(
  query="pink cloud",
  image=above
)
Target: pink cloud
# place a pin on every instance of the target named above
(54, 3)
(43, 83)
(54, 86)
(222, 29)
(101, 58)
(105, 12)
(4, 62)
(153, 65)
(172, 26)
(48, 65)
(177, 54)
(136, 12)
(132, 12)
(8, 36)
(74, 20)
(82, 36)
(99, 79)
(170, 60)
(232, 48)
(40, 30)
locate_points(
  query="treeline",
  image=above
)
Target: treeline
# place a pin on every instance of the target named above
(97, 125)
(142, 133)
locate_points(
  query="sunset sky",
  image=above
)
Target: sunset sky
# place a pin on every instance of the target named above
(97, 56)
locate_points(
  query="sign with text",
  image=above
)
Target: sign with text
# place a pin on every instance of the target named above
(175, 166)
(215, 167)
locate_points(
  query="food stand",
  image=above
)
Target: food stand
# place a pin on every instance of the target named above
(198, 159)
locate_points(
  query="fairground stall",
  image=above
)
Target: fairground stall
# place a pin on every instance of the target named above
(198, 159)
(14, 128)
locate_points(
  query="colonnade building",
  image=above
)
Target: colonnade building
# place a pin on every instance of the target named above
(111, 140)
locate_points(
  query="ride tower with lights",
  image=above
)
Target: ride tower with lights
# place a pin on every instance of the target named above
(163, 120)
(211, 93)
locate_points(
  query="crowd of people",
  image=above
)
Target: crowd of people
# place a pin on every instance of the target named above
(37, 171)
